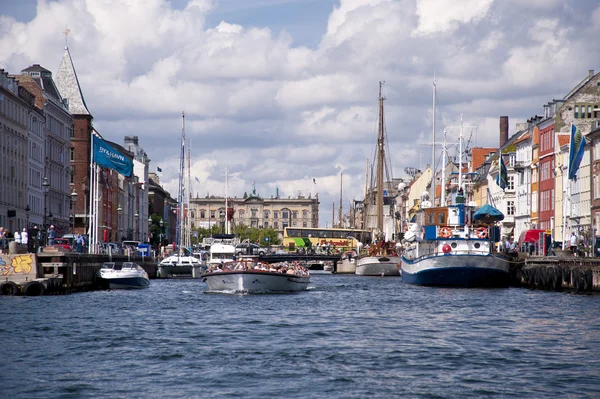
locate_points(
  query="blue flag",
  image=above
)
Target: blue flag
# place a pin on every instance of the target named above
(108, 157)
(502, 177)
(158, 169)
(576, 148)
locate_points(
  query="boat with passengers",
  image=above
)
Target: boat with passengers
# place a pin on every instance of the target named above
(253, 276)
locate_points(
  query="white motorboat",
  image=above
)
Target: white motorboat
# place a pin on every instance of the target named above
(129, 275)
(250, 276)
(378, 266)
(180, 266)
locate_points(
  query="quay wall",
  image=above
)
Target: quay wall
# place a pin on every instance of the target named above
(553, 273)
(53, 272)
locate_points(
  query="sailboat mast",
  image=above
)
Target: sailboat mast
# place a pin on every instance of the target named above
(188, 225)
(380, 157)
(340, 212)
(433, 167)
(226, 202)
(180, 216)
(443, 188)
(332, 214)
(460, 151)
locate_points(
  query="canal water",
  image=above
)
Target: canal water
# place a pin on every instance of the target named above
(347, 337)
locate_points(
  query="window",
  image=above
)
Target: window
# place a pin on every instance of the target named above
(212, 214)
(72, 154)
(294, 214)
(275, 216)
(266, 214)
(202, 214)
(72, 132)
(576, 115)
(510, 207)
(285, 214)
(73, 175)
(305, 213)
(304, 224)
(266, 224)
(276, 225)
(511, 182)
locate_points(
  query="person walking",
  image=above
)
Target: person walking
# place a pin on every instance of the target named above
(573, 243)
(3, 239)
(17, 236)
(51, 235)
(79, 243)
(24, 237)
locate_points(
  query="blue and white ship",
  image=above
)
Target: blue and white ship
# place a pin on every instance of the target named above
(450, 248)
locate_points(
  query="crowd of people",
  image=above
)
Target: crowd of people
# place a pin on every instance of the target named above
(35, 239)
(293, 268)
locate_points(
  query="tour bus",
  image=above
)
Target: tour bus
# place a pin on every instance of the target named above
(307, 237)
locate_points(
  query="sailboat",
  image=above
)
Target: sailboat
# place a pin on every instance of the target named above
(453, 244)
(178, 264)
(381, 259)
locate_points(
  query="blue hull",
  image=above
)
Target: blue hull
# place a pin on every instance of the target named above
(127, 283)
(460, 276)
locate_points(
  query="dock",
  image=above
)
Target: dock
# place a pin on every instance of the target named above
(557, 273)
(55, 273)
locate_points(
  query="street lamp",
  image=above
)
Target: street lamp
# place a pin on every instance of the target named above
(161, 230)
(74, 196)
(119, 212)
(45, 185)
(27, 209)
(137, 226)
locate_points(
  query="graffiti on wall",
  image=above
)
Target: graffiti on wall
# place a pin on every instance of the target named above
(16, 264)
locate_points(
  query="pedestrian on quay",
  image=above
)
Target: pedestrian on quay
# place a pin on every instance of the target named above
(51, 235)
(17, 237)
(573, 244)
(3, 239)
(24, 237)
(79, 243)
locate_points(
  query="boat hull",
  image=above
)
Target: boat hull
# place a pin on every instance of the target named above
(255, 282)
(467, 270)
(378, 266)
(124, 282)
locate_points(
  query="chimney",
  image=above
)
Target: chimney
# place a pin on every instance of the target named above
(503, 130)
(591, 73)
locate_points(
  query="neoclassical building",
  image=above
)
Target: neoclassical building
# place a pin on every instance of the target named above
(255, 211)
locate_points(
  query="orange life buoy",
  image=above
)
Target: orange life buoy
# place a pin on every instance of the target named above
(445, 232)
(482, 232)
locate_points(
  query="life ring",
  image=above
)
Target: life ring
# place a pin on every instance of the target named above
(445, 232)
(482, 232)
(34, 288)
(9, 288)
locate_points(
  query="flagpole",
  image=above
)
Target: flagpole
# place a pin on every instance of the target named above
(91, 194)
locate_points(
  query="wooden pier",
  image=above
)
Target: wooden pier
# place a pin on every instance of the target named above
(562, 273)
(54, 272)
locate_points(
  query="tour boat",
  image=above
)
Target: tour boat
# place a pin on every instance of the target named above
(180, 266)
(126, 276)
(251, 276)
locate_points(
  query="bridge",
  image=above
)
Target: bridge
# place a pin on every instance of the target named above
(273, 258)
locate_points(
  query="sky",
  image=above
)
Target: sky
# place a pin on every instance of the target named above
(281, 92)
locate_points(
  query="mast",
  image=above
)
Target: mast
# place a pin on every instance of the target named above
(180, 218)
(226, 202)
(340, 212)
(188, 224)
(380, 158)
(433, 168)
(332, 214)
(460, 151)
(443, 188)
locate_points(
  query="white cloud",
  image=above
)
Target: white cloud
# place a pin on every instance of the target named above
(281, 113)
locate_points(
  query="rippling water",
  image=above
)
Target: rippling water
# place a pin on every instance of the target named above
(347, 337)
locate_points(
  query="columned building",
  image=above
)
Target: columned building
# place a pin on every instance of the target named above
(255, 211)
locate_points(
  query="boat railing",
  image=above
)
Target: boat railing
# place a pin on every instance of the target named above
(436, 252)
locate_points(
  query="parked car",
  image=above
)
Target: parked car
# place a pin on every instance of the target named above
(63, 244)
(247, 248)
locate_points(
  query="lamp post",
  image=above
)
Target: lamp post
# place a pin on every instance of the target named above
(45, 186)
(149, 228)
(74, 196)
(161, 231)
(119, 212)
(27, 209)
(137, 226)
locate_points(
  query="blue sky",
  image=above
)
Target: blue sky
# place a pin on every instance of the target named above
(280, 92)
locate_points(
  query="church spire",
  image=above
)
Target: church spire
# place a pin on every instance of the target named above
(68, 84)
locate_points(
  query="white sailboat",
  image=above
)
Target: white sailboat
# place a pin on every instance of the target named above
(179, 264)
(381, 260)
